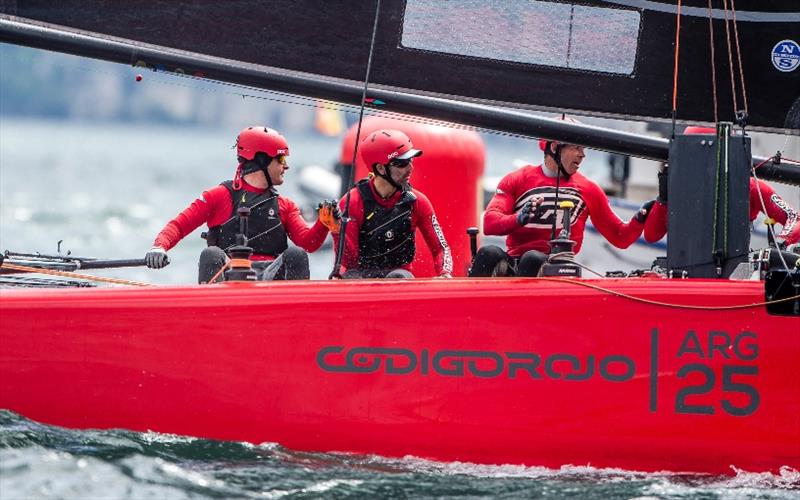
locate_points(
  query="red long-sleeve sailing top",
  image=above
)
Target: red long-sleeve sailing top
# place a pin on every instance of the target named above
(776, 207)
(215, 207)
(422, 218)
(516, 188)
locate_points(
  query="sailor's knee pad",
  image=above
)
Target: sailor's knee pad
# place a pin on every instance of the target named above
(530, 263)
(399, 273)
(490, 260)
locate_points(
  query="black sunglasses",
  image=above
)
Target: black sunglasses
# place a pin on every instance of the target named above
(400, 163)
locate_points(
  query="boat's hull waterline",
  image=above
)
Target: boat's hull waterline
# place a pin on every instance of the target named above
(489, 371)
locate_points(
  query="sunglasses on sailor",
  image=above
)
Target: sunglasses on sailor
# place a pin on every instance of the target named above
(400, 163)
(281, 159)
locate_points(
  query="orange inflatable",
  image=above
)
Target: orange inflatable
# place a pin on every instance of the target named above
(448, 172)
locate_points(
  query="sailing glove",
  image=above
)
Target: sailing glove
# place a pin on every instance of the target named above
(643, 212)
(524, 213)
(156, 258)
(330, 216)
(529, 210)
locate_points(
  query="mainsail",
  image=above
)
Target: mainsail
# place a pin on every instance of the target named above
(609, 58)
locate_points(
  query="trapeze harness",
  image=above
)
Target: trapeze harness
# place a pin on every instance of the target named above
(385, 238)
(265, 233)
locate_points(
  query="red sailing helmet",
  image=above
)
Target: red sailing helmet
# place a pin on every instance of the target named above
(385, 145)
(265, 140)
(562, 117)
(694, 130)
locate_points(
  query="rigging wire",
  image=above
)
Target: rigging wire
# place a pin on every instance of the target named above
(337, 261)
(739, 57)
(675, 69)
(713, 62)
(730, 57)
(770, 227)
(666, 304)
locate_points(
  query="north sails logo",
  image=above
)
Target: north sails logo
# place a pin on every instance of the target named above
(786, 56)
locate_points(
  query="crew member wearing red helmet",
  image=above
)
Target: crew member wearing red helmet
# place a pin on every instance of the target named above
(775, 206)
(261, 153)
(385, 212)
(524, 210)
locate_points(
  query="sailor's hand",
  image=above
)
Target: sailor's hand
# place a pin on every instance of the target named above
(156, 258)
(643, 212)
(528, 210)
(443, 276)
(330, 216)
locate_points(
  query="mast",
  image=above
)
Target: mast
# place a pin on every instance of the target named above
(55, 38)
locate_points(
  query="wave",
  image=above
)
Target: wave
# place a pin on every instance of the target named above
(42, 461)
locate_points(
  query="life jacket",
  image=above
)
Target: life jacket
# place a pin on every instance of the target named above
(386, 238)
(265, 233)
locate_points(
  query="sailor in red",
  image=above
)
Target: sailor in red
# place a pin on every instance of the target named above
(763, 198)
(262, 156)
(385, 212)
(776, 208)
(524, 210)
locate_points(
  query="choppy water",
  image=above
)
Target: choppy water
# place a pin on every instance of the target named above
(39, 461)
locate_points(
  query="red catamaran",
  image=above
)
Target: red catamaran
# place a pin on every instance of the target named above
(643, 373)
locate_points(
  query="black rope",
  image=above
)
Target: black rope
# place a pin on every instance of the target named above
(337, 262)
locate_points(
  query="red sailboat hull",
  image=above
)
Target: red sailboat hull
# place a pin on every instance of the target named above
(524, 371)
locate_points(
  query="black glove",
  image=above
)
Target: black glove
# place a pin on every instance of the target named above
(662, 186)
(156, 258)
(643, 212)
(525, 213)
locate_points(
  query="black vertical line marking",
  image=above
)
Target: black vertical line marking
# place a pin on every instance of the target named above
(654, 370)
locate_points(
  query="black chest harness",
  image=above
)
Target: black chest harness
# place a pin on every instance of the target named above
(386, 238)
(265, 233)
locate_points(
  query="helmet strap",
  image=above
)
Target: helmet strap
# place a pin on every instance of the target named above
(557, 158)
(260, 162)
(237, 178)
(387, 176)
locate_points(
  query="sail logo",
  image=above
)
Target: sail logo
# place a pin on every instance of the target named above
(786, 55)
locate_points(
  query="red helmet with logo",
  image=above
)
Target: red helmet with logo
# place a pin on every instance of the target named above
(383, 146)
(694, 130)
(562, 117)
(265, 140)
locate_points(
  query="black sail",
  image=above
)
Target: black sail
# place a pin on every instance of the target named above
(607, 58)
